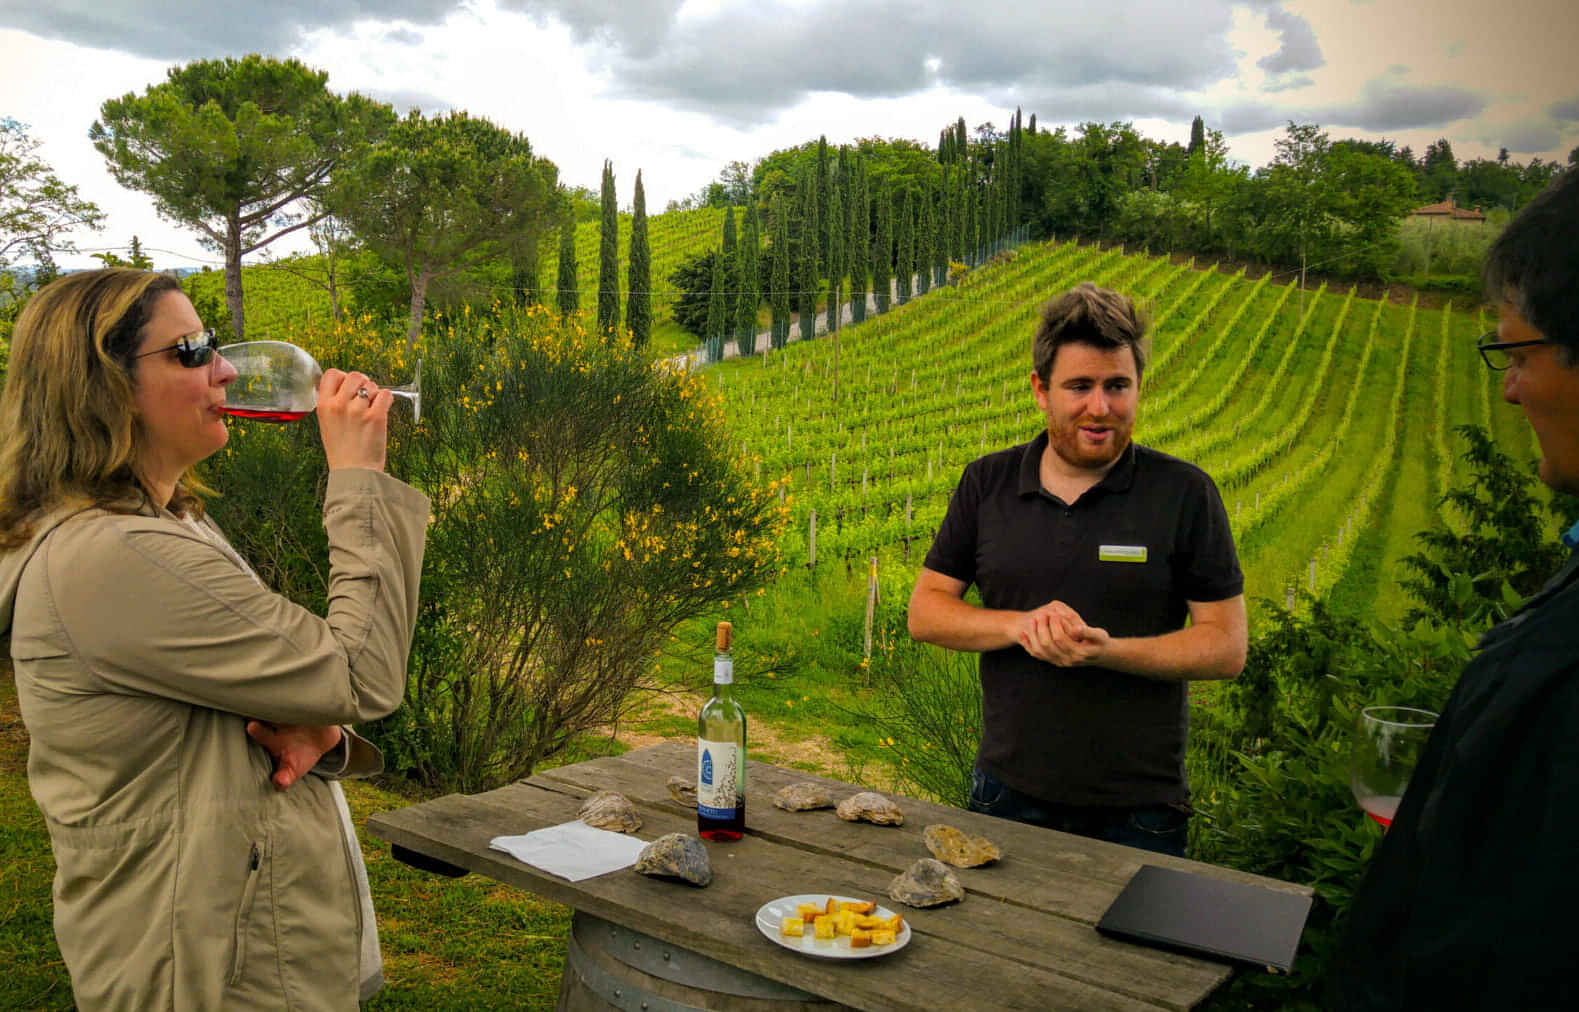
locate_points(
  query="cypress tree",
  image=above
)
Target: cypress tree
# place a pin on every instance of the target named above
(858, 225)
(924, 238)
(883, 253)
(961, 218)
(1197, 133)
(940, 238)
(569, 286)
(717, 320)
(836, 250)
(961, 140)
(729, 233)
(638, 311)
(806, 274)
(750, 293)
(781, 273)
(608, 258)
(824, 197)
(1033, 124)
(905, 247)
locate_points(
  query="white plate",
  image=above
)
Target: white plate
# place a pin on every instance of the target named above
(771, 915)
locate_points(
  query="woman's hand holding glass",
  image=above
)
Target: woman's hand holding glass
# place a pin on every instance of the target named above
(353, 417)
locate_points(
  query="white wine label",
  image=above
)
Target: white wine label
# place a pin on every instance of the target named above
(717, 777)
(723, 671)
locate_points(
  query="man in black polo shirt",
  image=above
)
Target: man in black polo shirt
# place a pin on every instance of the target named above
(1089, 553)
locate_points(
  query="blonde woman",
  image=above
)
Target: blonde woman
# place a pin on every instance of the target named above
(177, 709)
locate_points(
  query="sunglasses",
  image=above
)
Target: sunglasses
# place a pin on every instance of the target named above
(193, 351)
(1495, 352)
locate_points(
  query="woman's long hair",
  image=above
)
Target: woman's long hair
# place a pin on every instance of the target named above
(69, 432)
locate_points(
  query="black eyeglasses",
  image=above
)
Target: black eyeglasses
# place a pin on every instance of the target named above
(193, 351)
(1495, 353)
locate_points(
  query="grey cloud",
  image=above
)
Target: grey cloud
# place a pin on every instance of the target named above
(1299, 49)
(193, 29)
(1288, 83)
(405, 101)
(1526, 137)
(404, 37)
(190, 29)
(1387, 103)
(749, 63)
(1566, 109)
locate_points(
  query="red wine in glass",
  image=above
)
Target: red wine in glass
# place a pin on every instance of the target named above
(278, 382)
(1387, 744)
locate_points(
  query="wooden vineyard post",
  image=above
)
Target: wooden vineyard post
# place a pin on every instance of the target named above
(871, 602)
(811, 542)
(1289, 597)
(1312, 576)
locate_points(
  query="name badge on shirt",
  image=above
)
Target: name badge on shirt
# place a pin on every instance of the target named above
(1121, 553)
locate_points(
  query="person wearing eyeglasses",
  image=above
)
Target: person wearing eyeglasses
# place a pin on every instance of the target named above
(186, 723)
(1470, 898)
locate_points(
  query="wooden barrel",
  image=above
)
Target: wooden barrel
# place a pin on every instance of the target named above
(608, 966)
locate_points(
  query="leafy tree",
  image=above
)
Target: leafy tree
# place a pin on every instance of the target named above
(135, 258)
(750, 291)
(608, 257)
(1439, 172)
(781, 274)
(1300, 196)
(883, 252)
(232, 147)
(693, 279)
(1208, 181)
(638, 312)
(438, 196)
(37, 209)
(569, 283)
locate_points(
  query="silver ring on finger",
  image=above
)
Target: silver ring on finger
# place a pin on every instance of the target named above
(362, 393)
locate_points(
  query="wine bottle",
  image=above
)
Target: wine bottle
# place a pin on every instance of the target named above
(721, 752)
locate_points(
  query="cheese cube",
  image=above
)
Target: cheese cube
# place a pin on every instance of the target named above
(823, 927)
(793, 927)
(882, 938)
(859, 939)
(844, 922)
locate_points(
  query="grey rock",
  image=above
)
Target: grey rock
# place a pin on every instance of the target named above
(802, 797)
(959, 848)
(682, 790)
(676, 855)
(927, 883)
(869, 806)
(610, 810)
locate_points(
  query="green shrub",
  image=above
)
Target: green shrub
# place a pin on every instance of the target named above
(584, 505)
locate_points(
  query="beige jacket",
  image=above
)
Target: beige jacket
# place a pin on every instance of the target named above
(184, 879)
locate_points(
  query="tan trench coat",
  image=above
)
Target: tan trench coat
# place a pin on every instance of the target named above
(184, 879)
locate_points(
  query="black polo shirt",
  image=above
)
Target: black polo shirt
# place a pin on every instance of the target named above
(1128, 555)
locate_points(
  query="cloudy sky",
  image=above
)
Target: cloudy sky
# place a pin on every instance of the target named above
(678, 88)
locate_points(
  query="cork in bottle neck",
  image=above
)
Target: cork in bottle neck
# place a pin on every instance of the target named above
(726, 635)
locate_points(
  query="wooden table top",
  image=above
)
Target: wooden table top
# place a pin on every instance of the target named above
(1023, 937)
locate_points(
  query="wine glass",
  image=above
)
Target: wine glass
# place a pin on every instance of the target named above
(278, 382)
(1388, 741)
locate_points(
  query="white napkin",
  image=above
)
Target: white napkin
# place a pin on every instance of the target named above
(572, 850)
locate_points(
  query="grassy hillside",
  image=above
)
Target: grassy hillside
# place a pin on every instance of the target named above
(1325, 419)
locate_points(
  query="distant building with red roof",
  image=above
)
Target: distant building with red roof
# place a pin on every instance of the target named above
(1449, 211)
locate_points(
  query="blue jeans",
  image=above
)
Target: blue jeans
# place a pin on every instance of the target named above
(1162, 829)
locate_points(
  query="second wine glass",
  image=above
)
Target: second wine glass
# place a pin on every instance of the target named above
(1388, 741)
(278, 382)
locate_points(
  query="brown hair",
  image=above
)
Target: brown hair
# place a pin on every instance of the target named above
(1087, 314)
(68, 418)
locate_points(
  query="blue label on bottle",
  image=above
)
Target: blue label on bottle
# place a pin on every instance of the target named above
(707, 767)
(716, 813)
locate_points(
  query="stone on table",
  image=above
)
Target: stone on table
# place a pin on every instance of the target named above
(610, 810)
(869, 806)
(959, 848)
(676, 855)
(927, 883)
(803, 797)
